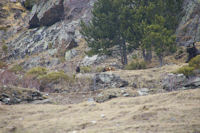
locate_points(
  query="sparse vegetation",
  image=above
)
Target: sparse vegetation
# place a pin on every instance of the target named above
(17, 68)
(86, 69)
(50, 45)
(136, 65)
(54, 76)
(99, 69)
(2, 64)
(195, 62)
(5, 48)
(36, 72)
(186, 70)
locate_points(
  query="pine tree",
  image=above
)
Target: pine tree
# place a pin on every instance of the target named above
(106, 28)
(159, 38)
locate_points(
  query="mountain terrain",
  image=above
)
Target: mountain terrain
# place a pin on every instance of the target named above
(41, 47)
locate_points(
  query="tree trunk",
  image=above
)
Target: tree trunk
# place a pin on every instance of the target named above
(147, 55)
(123, 53)
(161, 60)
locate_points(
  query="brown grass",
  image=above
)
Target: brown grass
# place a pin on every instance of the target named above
(147, 78)
(176, 112)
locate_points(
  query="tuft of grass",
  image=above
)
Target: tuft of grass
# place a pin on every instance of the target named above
(5, 48)
(86, 69)
(50, 45)
(99, 69)
(136, 65)
(2, 64)
(36, 72)
(3, 28)
(195, 62)
(17, 68)
(186, 70)
(54, 77)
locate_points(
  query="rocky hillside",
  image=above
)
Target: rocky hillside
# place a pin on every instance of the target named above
(53, 27)
(188, 30)
(43, 61)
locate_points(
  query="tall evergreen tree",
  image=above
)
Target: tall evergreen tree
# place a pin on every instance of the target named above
(106, 28)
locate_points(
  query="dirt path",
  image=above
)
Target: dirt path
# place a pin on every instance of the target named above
(176, 112)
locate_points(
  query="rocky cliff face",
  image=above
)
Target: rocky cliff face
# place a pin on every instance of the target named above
(188, 30)
(53, 25)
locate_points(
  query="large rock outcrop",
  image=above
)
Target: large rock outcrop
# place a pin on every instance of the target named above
(46, 13)
(57, 23)
(188, 30)
(108, 80)
(14, 95)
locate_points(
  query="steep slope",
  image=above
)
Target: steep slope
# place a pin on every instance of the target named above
(60, 27)
(188, 30)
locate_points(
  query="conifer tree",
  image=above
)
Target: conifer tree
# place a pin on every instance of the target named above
(106, 28)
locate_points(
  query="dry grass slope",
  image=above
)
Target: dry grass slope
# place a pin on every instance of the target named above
(175, 112)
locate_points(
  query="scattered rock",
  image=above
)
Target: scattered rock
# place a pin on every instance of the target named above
(96, 59)
(13, 95)
(70, 54)
(45, 101)
(193, 83)
(108, 80)
(180, 82)
(174, 82)
(143, 91)
(114, 93)
(39, 61)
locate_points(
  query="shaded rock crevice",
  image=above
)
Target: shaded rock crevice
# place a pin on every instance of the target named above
(46, 13)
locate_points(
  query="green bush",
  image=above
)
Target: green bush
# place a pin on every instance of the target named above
(17, 68)
(86, 69)
(5, 48)
(50, 45)
(36, 72)
(186, 70)
(136, 65)
(99, 69)
(54, 77)
(195, 62)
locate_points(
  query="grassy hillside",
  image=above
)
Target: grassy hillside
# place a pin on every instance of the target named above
(175, 112)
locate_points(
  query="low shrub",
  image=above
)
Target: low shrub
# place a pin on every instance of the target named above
(2, 65)
(5, 48)
(86, 69)
(186, 70)
(195, 62)
(136, 65)
(99, 69)
(50, 45)
(36, 72)
(54, 77)
(17, 68)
